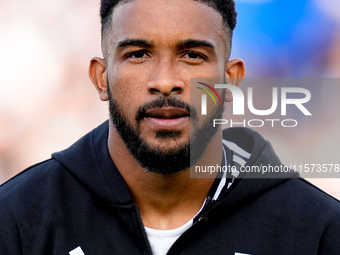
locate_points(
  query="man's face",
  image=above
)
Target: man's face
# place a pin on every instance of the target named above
(153, 48)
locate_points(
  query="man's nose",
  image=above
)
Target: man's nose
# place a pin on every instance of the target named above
(165, 80)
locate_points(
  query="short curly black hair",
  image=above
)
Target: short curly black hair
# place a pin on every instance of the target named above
(225, 7)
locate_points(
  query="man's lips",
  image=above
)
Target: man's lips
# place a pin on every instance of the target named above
(167, 112)
(167, 117)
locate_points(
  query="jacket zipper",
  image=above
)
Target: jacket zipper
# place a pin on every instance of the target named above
(174, 248)
(200, 219)
(146, 245)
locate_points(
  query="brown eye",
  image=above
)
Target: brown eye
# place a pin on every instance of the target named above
(193, 55)
(138, 54)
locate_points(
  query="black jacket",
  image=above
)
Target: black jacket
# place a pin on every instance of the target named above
(78, 198)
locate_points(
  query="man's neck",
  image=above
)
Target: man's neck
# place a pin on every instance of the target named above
(165, 201)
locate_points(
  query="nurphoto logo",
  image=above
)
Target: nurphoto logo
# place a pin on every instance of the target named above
(243, 104)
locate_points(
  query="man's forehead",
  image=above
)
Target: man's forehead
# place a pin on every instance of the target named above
(165, 7)
(148, 3)
(154, 18)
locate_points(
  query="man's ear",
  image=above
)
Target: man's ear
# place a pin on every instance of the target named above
(234, 74)
(98, 74)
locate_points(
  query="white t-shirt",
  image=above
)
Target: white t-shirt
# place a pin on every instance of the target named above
(162, 240)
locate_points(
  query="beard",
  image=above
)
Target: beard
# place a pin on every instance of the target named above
(152, 157)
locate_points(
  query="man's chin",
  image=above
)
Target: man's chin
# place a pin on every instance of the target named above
(166, 149)
(163, 157)
(168, 134)
(167, 146)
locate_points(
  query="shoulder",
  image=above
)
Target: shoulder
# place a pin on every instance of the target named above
(31, 184)
(293, 199)
(322, 212)
(303, 189)
(32, 203)
(305, 204)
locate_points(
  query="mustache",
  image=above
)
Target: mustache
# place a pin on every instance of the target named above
(165, 102)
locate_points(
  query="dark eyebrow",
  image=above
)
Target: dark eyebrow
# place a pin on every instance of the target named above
(192, 43)
(134, 42)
